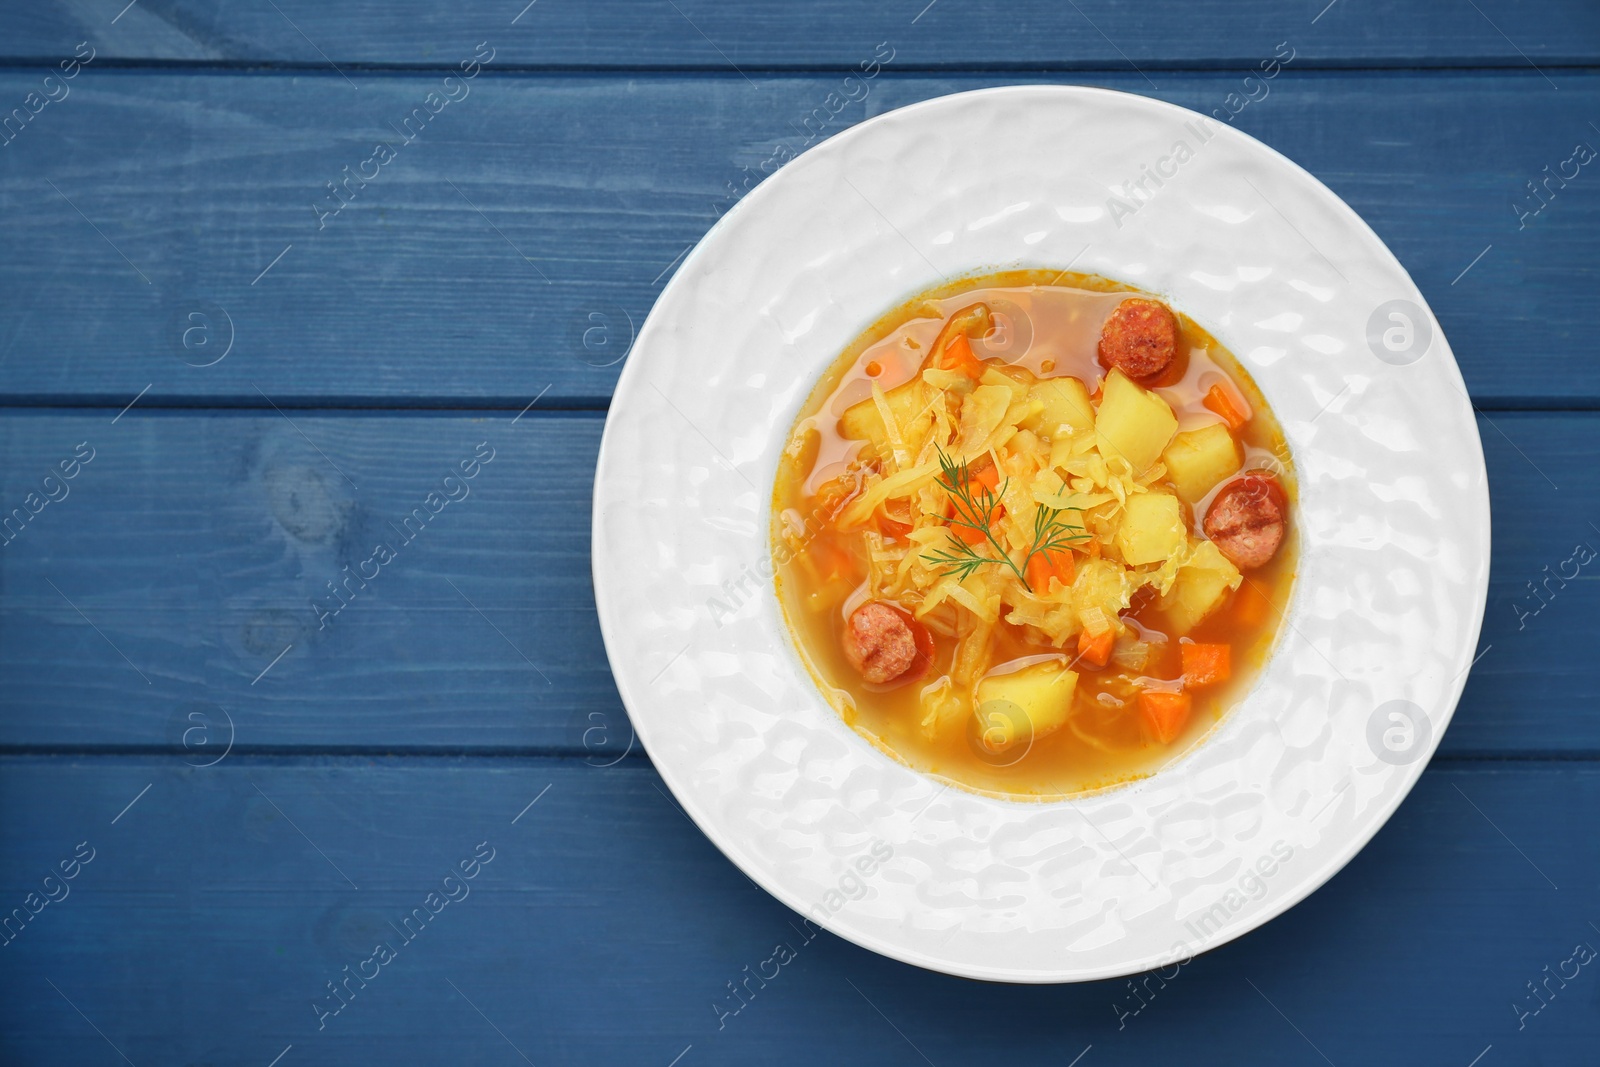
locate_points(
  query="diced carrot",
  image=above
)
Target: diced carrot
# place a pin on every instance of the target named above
(1165, 714)
(833, 561)
(1095, 649)
(1250, 605)
(1038, 574)
(968, 534)
(1094, 549)
(1061, 563)
(988, 477)
(1049, 563)
(1206, 664)
(892, 527)
(958, 355)
(1221, 401)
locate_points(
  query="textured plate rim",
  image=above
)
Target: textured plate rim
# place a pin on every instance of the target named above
(1330, 860)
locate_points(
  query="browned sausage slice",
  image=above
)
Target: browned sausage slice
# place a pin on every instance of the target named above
(1247, 520)
(1139, 338)
(882, 642)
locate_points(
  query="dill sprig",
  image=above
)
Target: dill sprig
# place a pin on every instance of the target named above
(976, 511)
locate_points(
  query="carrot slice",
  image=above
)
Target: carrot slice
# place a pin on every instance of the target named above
(1061, 563)
(968, 534)
(835, 562)
(1165, 714)
(827, 560)
(1250, 605)
(1221, 401)
(958, 355)
(1095, 649)
(892, 528)
(1050, 563)
(988, 477)
(1205, 664)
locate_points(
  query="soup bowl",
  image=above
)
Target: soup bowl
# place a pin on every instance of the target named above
(1391, 518)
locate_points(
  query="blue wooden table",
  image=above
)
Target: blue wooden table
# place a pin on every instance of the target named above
(240, 343)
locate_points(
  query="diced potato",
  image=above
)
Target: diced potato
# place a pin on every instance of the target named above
(862, 422)
(1198, 459)
(1031, 702)
(1017, 379)
(1203, 583)
(1066, 403)
(1133, 423)
(1152, 529)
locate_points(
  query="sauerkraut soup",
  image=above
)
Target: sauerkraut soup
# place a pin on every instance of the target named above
(1032, 533)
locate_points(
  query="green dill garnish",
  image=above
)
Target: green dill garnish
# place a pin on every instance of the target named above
(976, 511)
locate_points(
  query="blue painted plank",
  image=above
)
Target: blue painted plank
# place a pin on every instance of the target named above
(199, 546)
(520, 240)
(217, 907)
(1532, 689)
(1112, 34)
(225, 566)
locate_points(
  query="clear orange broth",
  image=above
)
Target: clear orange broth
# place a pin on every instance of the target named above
(1108, 746)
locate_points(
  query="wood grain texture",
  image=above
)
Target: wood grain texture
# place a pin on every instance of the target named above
(511, 251)
(219, 905)
(518, 243)
(194, 549)
(199, 546)
(826, 33)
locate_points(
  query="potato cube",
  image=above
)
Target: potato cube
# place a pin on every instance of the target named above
(862, 422)
(1024, 704)
(1203, 583)
(1152, 529)
(1066, 403)
(1017, 379)
(1198, 459)
(1134, 423)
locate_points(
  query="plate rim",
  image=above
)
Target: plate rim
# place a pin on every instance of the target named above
(630, 379)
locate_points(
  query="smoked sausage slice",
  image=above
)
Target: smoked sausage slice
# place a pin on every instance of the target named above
(1247, 520)
(1139, 338)
(885, 644)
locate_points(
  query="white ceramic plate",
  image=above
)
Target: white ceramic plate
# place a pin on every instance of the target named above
(1393, 522)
